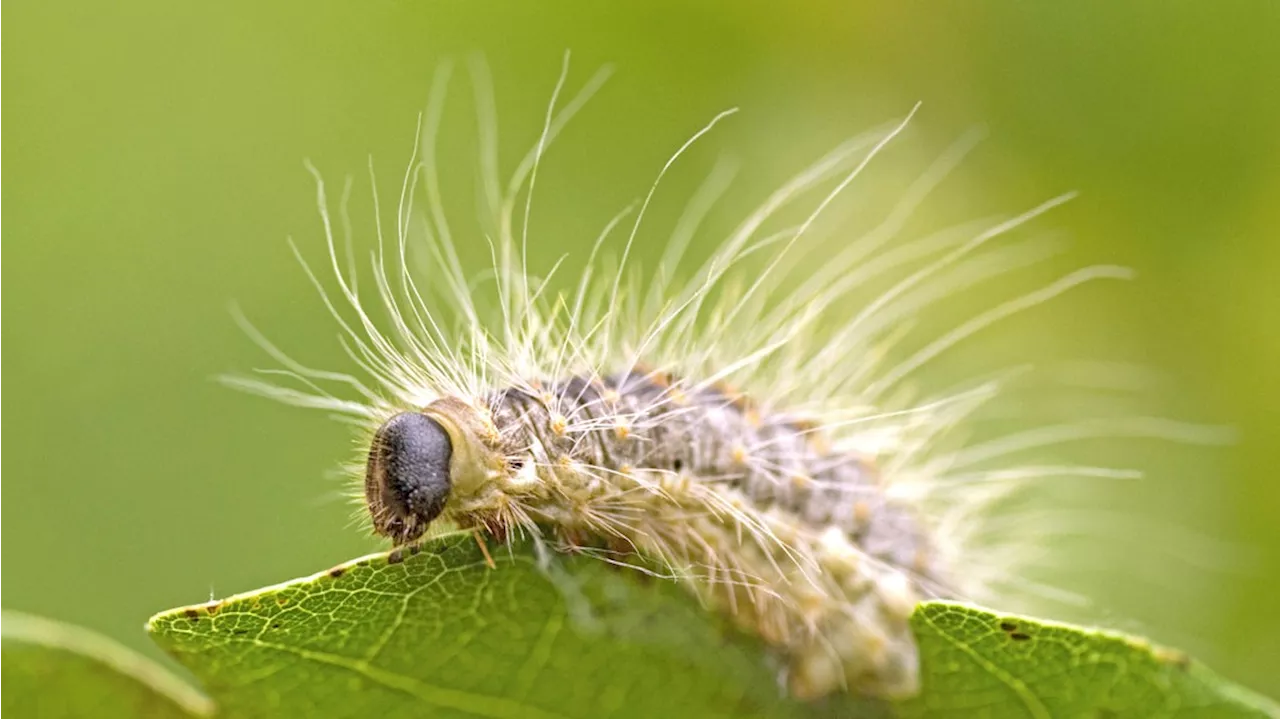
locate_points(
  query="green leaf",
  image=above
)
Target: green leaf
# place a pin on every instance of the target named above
(977, 663)
(439, 633)
(51, 669)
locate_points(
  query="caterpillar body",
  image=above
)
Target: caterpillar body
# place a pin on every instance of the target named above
(694, 477)
(742, 429)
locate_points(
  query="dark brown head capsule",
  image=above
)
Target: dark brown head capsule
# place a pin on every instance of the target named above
(407, 480)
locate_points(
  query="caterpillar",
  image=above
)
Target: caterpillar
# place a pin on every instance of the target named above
(742, 428)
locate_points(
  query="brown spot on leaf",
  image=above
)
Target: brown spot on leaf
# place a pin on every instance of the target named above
(337, 572)
(1019, 637)
(1008, 626)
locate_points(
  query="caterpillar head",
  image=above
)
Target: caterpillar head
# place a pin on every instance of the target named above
(428, 463)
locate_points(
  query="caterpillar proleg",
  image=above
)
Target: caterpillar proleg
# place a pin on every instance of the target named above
(736, 422)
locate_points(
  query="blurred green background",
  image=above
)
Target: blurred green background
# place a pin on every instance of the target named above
(153, 167)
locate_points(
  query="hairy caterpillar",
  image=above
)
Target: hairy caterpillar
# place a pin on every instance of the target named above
(739, 428)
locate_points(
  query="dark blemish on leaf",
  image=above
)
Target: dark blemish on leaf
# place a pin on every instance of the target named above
(1019, 637)
(282, 601)
(1009, 626)
(213, 608)
(239, 631)
(192, 614)
(337, 572)
(275, 625)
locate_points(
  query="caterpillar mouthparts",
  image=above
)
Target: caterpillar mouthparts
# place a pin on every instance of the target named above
(813, 506)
